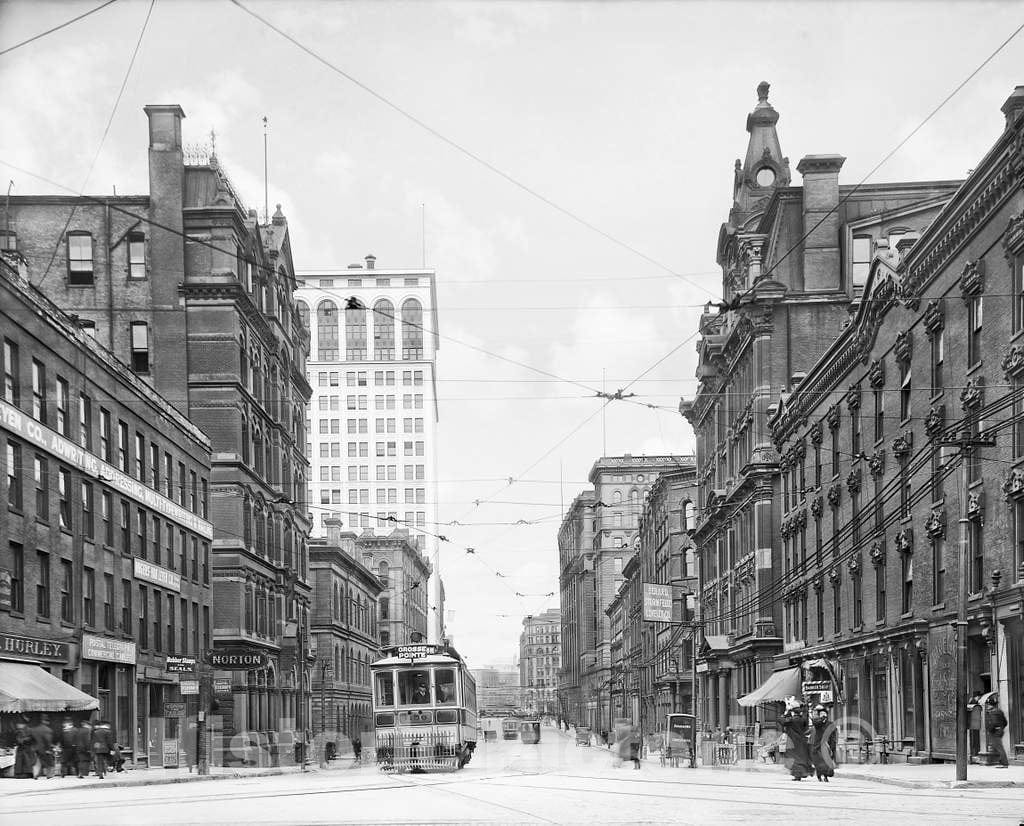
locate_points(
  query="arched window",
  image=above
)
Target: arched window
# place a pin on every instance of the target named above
(336, 661)
(412, 329)
(616, 497)
(384, 330)
(689, 515)
(327, 331)
(382, 572)
(355, 333)
(303, 309)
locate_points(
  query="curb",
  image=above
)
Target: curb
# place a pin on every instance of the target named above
(906, 784)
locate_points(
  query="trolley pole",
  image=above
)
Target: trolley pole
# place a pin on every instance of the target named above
(966, 444)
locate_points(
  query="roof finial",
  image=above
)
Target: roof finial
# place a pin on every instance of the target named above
(213, 143)
(762, 91)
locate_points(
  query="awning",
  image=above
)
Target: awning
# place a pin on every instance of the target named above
(778, 686)
(27, 687)
(716, 642)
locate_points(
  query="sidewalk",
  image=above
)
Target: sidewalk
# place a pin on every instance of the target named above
(908, 776)
(154, 777)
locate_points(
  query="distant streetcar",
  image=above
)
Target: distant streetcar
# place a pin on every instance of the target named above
(424, 709)
(509, 729)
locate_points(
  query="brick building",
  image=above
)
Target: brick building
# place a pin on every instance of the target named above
(106, 522)
(652, 662)
(871, 498)
(190, 290)
(540, 653)
(403, 571)
(595, 541)
(794, 261)
(344, 632)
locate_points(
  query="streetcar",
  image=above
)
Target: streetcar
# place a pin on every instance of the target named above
(529, 731)
(424, 709)
(509, 729)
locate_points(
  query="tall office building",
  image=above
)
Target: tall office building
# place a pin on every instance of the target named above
(373, 415)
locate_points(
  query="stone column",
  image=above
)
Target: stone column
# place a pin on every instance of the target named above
(723, 697)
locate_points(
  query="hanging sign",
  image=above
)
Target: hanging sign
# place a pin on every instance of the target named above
(238, 659)
(188, 687)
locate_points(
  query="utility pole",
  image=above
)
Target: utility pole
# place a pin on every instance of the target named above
(966, 444)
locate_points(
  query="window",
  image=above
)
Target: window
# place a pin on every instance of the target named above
(88, 596)
(136, 255)
(355, 335)
(158, 621)
(819, 609)
(1018, 537)
(17, 577)
(938, 359)
(64, 496)
(8, 240)
(108, 601)
(169, 475)
(879, 417)
(14, 483)
(907, 579)
(67, 613)
(126, 547)
(383, 330)
(63, 403)
(327, 331)
(143, 634)
(861, 261)
(835, 451)
(974, 322)
(976, 555)
(80, 258)
(126, 606)
(412, 329)
(41, 477)
(906, 388)
(11, 390)
(880, 591)
(170, 623)
(85, 421)
(140, 457)
(1018, 293)
(140, 346)
(88, 523)
(837, 608)
(105, 435)
(43, 585)
(38, 391)
(122, 447)
(105, 516)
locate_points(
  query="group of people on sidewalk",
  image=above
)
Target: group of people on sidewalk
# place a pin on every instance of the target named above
(77, 749)
(811, 741)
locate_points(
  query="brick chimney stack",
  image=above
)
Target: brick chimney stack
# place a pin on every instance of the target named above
(822, 263)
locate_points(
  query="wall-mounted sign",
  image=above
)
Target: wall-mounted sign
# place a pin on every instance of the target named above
(31, 647)
(174, 709)
(180, 665)
(157, 575)
(108, 649)
(816, 686)
(221, 685)
(188, 687)
(238, 659)
(657, 602)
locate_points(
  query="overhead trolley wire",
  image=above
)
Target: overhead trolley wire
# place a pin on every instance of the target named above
(65, 24)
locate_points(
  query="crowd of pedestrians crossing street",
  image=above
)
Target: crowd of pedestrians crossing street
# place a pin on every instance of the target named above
(78, 749)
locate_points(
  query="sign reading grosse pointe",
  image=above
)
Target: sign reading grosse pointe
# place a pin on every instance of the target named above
(238, 659)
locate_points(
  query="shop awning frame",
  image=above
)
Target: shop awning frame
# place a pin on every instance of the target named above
(26, 687)
(778, 686)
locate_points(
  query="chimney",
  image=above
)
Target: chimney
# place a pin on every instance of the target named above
(822, 263)
(371, 260)
(333, 525)
(1013, 106)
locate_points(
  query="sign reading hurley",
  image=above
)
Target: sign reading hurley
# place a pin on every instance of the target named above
(17, 645)
(657, 602)
(108, 649)
(12, 419)
(157, 575)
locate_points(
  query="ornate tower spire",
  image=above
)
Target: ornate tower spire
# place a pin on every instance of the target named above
(764, 167)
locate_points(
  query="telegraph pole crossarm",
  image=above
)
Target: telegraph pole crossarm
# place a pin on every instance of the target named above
(966, 443)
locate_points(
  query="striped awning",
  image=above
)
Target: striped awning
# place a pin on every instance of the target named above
(778, 686)
(27, 687)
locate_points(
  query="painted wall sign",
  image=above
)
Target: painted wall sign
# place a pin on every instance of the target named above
(17, 645)
(108, 649)
(13, 420)
(157, 575)
(942, 668)
(657, 602)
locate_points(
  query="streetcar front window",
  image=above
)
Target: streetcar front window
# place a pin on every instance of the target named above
(413, 687)
(385, 689)
(444, 686)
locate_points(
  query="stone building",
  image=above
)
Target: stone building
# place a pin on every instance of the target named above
(105, 560)
(595, 541)
(344, 628)
(194, 293)
(872, 494)
(540, 653)
(403, 570)
(652, 661)
(794, 260)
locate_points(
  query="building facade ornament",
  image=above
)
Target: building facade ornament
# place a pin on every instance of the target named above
(1013, 238)
(972, 278)
(834, 494)
(876, 463)
(935, 421)
(854, 481)
(832, 417)
(876, 374)
(934, 317)
(817, 507)
(905, 540)
(854, 566)
(819, 584)
(976, 505)
(834, 576)
(904, 346)
(973, 393)
(1013, 361)
(815, 433)
(903, 444)
(935, 524)
(877, 554)
(1013, 485)
(853, 398)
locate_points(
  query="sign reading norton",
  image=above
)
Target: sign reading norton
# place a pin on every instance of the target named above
(238, 659)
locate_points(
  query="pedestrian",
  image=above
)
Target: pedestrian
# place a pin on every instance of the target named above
(83, 748)
(102, 745)
(995, 725)
(24, 752)
(42, 735)
(822, 742)
(604, 737)
(117, 758)
(634, 748)
(67, 747)
(794, 726)
(357, 749)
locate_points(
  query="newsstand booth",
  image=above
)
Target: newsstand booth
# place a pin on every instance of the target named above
(27, 692)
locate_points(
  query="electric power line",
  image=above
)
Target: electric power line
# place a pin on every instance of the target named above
(66, 23)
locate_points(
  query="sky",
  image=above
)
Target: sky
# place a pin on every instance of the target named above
(565, 168)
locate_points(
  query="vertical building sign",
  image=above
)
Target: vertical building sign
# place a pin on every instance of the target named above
(942, 672)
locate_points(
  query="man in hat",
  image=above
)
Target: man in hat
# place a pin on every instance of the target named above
(995, 725)
(420, 693)
(102, 745)
(42, 736)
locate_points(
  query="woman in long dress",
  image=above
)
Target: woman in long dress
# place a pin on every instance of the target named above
(794, 724)
(822, 742)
